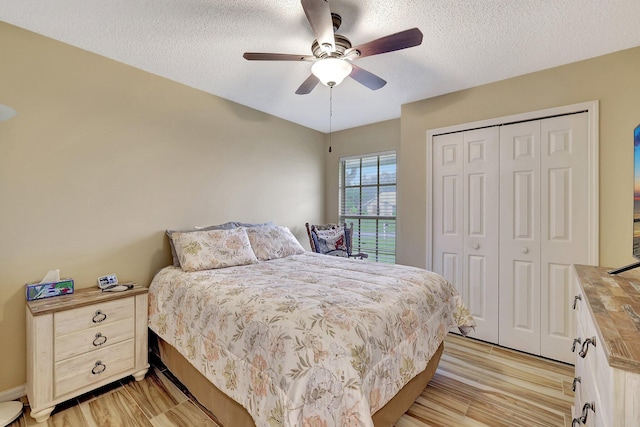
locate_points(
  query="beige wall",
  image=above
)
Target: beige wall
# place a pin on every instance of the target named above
(611, 79)
(374, 138)
(102, 158)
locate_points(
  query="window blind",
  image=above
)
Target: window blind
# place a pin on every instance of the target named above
(368, 200)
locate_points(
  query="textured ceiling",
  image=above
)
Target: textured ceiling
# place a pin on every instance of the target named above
(466, 43)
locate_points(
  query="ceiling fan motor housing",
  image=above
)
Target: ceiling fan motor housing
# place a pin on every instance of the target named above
(342, 44)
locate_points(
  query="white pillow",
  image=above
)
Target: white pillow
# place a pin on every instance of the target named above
(275, 241)
(174, 255)
(209, 249)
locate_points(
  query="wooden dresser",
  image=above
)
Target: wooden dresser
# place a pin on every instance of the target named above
(607, 348)
(78, 342)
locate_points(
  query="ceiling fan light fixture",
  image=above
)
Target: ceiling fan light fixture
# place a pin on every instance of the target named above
(331, 71)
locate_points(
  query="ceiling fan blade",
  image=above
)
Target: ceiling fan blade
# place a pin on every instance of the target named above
(319, 17)
(257, 56)
(397, 41)
(308, 85)
(366, 78)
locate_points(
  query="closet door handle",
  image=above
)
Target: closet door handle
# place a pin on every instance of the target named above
(575, 300)
(525, 250)
(476, 246)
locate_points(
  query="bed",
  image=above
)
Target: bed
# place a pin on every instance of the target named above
(295, 338)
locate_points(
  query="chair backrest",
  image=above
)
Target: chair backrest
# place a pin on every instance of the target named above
(330, 239)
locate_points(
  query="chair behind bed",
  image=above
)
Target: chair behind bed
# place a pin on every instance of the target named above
(342, 236)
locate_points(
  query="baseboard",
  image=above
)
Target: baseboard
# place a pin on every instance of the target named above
(13, 393)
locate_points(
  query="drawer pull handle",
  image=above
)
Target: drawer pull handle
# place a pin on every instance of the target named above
(585, 346)
(99, 317)
(99, 368)
(99, 340)
(575, 381)
(585, 411)
(575, 300)
(575, 341)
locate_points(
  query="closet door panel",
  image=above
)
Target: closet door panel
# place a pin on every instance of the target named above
(480, 243)
(564, 240)
(448, 259)
(519, 275)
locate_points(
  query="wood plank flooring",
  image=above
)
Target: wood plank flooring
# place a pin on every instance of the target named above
(480, 384)
(477, 384)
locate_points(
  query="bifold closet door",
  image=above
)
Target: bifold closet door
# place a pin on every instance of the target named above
(447, 259)
(466, 221)
(520, 236)
(564, 227)
(543, 230)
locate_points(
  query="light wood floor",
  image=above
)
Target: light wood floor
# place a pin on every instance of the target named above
(477, 384)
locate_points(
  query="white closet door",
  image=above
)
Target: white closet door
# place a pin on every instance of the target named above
(520, 236)
(447, 259)
(564, 226)
(481, 235)
(505, 232)
(465, 221)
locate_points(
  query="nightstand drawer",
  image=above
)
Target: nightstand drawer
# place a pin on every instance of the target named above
(81, 318)
(80, 371)
(98, 337)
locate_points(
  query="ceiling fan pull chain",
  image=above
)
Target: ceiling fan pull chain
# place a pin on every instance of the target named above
(330, 113)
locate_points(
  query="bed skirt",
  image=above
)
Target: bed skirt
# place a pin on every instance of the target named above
(231, 413)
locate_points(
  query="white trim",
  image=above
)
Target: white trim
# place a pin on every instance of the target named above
(593, 114)
(13, 393)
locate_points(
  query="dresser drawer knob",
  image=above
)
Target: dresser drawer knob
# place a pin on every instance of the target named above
(575, 300)
(99, 340)
(99, 316)
(575, 341)
(585, 346)
(575, 381)
(99, 368)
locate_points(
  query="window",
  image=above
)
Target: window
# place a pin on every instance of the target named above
(368, 200)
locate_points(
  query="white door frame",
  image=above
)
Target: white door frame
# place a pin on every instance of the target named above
(592, 109)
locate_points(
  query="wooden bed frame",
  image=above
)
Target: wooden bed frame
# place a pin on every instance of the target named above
(230, 413)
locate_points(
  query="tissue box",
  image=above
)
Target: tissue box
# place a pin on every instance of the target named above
(46, 290)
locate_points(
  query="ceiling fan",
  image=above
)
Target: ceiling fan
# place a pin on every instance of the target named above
(333, 53)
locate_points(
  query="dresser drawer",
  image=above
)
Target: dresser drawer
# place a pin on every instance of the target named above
(81, 318)
(95, 338)
(80, 371)
(589, 393)
(595, 362)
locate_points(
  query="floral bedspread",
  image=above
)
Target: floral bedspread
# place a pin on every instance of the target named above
(307, 340)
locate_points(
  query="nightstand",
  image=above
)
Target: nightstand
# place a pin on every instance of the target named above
(79, 342)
